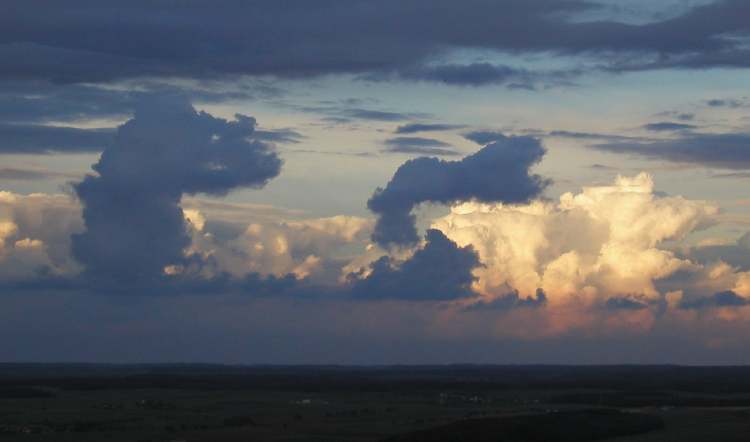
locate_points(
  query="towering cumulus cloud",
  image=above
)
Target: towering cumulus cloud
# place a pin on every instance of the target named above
(603, 243)
(499, 172)
(134, 224)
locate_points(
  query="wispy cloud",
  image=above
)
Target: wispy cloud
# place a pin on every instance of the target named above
(724, 151)
(419, 145)
(412, 128)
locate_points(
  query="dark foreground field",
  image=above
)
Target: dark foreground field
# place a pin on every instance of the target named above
(398, 404)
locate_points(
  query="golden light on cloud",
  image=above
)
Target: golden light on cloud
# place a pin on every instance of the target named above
(600, 243)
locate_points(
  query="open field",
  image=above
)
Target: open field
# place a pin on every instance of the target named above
(449, 403)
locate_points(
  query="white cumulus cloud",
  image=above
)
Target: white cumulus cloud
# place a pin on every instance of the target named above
(601, 243)
(35, 234)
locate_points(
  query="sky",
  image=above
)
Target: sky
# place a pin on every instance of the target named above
(375, 182)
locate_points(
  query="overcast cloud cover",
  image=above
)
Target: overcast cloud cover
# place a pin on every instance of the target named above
(402, 181)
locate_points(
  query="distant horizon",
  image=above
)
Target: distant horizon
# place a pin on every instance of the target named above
(395, 365)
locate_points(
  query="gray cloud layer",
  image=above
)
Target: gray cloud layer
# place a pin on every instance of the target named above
(726, 151)
(29, 101)
(82, 41)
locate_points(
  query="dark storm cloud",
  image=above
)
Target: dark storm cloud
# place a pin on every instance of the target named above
(499, 172)
(721, 299)
(419, 145)
(439, 271)
(510, 301)
(84, 41)
(413, 128)
(134, 224)
(726, 151)
(38, 139)
(667, 126)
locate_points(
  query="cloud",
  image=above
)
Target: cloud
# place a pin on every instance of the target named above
(585, 249)
(737, 255)
(238, 248)
(510, 301)
(591, 264)
(497, 172)
(589, 136)
(41, 118)
(239, 213)
(345, 115)
(667, 126)
(597, 166)
(35, 102)
(38, 139)
(626, 303)
(731, 103)
(376, 115)
(725, 151)
(679, 115)
(483, 137)
(438, 271)
(31, 174)
(481, 74)
(346, 111)
(312, 249)
(419, 145)
(412, 128)
(35, 235)
(283, 136)
(731, 175)
(135, 227)
(727, 298)
(304, 39)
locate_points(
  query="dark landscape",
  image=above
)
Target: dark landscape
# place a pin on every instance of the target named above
(187, 402)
